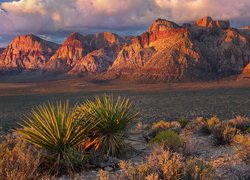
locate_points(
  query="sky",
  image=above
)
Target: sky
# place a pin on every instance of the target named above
(55, 19)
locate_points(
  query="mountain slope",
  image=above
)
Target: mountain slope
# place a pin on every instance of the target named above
(27, 52)
(168, 52)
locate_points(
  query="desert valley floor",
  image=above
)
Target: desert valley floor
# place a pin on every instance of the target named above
(226, 99)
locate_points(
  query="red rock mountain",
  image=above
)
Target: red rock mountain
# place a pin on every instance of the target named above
(79, 55)
(169, 52)
(166, 52)
(27, 52)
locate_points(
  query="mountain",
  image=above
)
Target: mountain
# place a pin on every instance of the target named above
(74, 48)
(1, 50)
(94, 49)
(168, 52)
(27, 52)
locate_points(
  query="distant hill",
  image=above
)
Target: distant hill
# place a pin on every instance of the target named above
(166, 52)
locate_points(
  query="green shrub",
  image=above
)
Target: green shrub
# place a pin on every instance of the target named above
(114, 117)
(183, 121)
(168, 139)
(224, 134)
(248, 130)
(56, 129)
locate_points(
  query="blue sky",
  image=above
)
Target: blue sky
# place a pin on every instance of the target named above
(55, 19)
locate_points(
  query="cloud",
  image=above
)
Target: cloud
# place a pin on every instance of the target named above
(50, 16)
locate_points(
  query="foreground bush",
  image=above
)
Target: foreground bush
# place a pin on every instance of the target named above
(18, 159)
(168, 139)
(163, 164)
(56, 129)
(224, 134)
(241, 123)
(113, 117)
(242, 145)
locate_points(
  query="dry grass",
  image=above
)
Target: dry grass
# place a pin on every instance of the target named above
(163, 164)
(18, 160)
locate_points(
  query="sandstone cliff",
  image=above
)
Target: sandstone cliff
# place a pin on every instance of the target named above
(27, 52)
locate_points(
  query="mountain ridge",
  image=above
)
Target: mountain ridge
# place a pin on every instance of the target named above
(166, 52)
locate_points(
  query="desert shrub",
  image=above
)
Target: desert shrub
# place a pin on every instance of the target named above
(164, 164)
(241, 123)
(198, 125)
(56, 129)
(168, 139)
(114, 117)
(248, 130)
(160, 126)
(242, 145)
(18, 159)
(166, 125)
(224, 134)
(212, 122)
(190, 145)
(198, 170)
(161, 163)
(183, 121)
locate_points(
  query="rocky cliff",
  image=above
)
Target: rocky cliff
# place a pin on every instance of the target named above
(27, 52)
(82, 55)
(166, 52)
(169, 52)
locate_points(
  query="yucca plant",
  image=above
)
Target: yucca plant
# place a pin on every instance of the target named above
(57, 129)
(114, 116)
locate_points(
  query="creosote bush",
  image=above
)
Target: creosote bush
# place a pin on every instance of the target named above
(168, 139)
(224, 134)
(164, 164)
(113, 117)
(183, 121)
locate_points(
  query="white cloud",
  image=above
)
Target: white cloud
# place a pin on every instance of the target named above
(45, 16)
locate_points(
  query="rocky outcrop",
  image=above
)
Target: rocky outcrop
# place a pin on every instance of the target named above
(208, 22)
(84, 55)
(246, 73)
(27, 52)
(74, 48)
(96, 62)
(169, 52)
(163, 53)
(166, 52)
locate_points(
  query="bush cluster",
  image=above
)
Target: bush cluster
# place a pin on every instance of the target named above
(66, 137)
(164, 164)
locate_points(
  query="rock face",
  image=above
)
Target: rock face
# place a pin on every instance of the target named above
(168, 52)
(246, 72)
(27, 52)
(208, 22)
(74, 48)
(83, 55)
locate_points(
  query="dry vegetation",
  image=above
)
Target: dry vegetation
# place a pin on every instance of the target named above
(62, 139)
